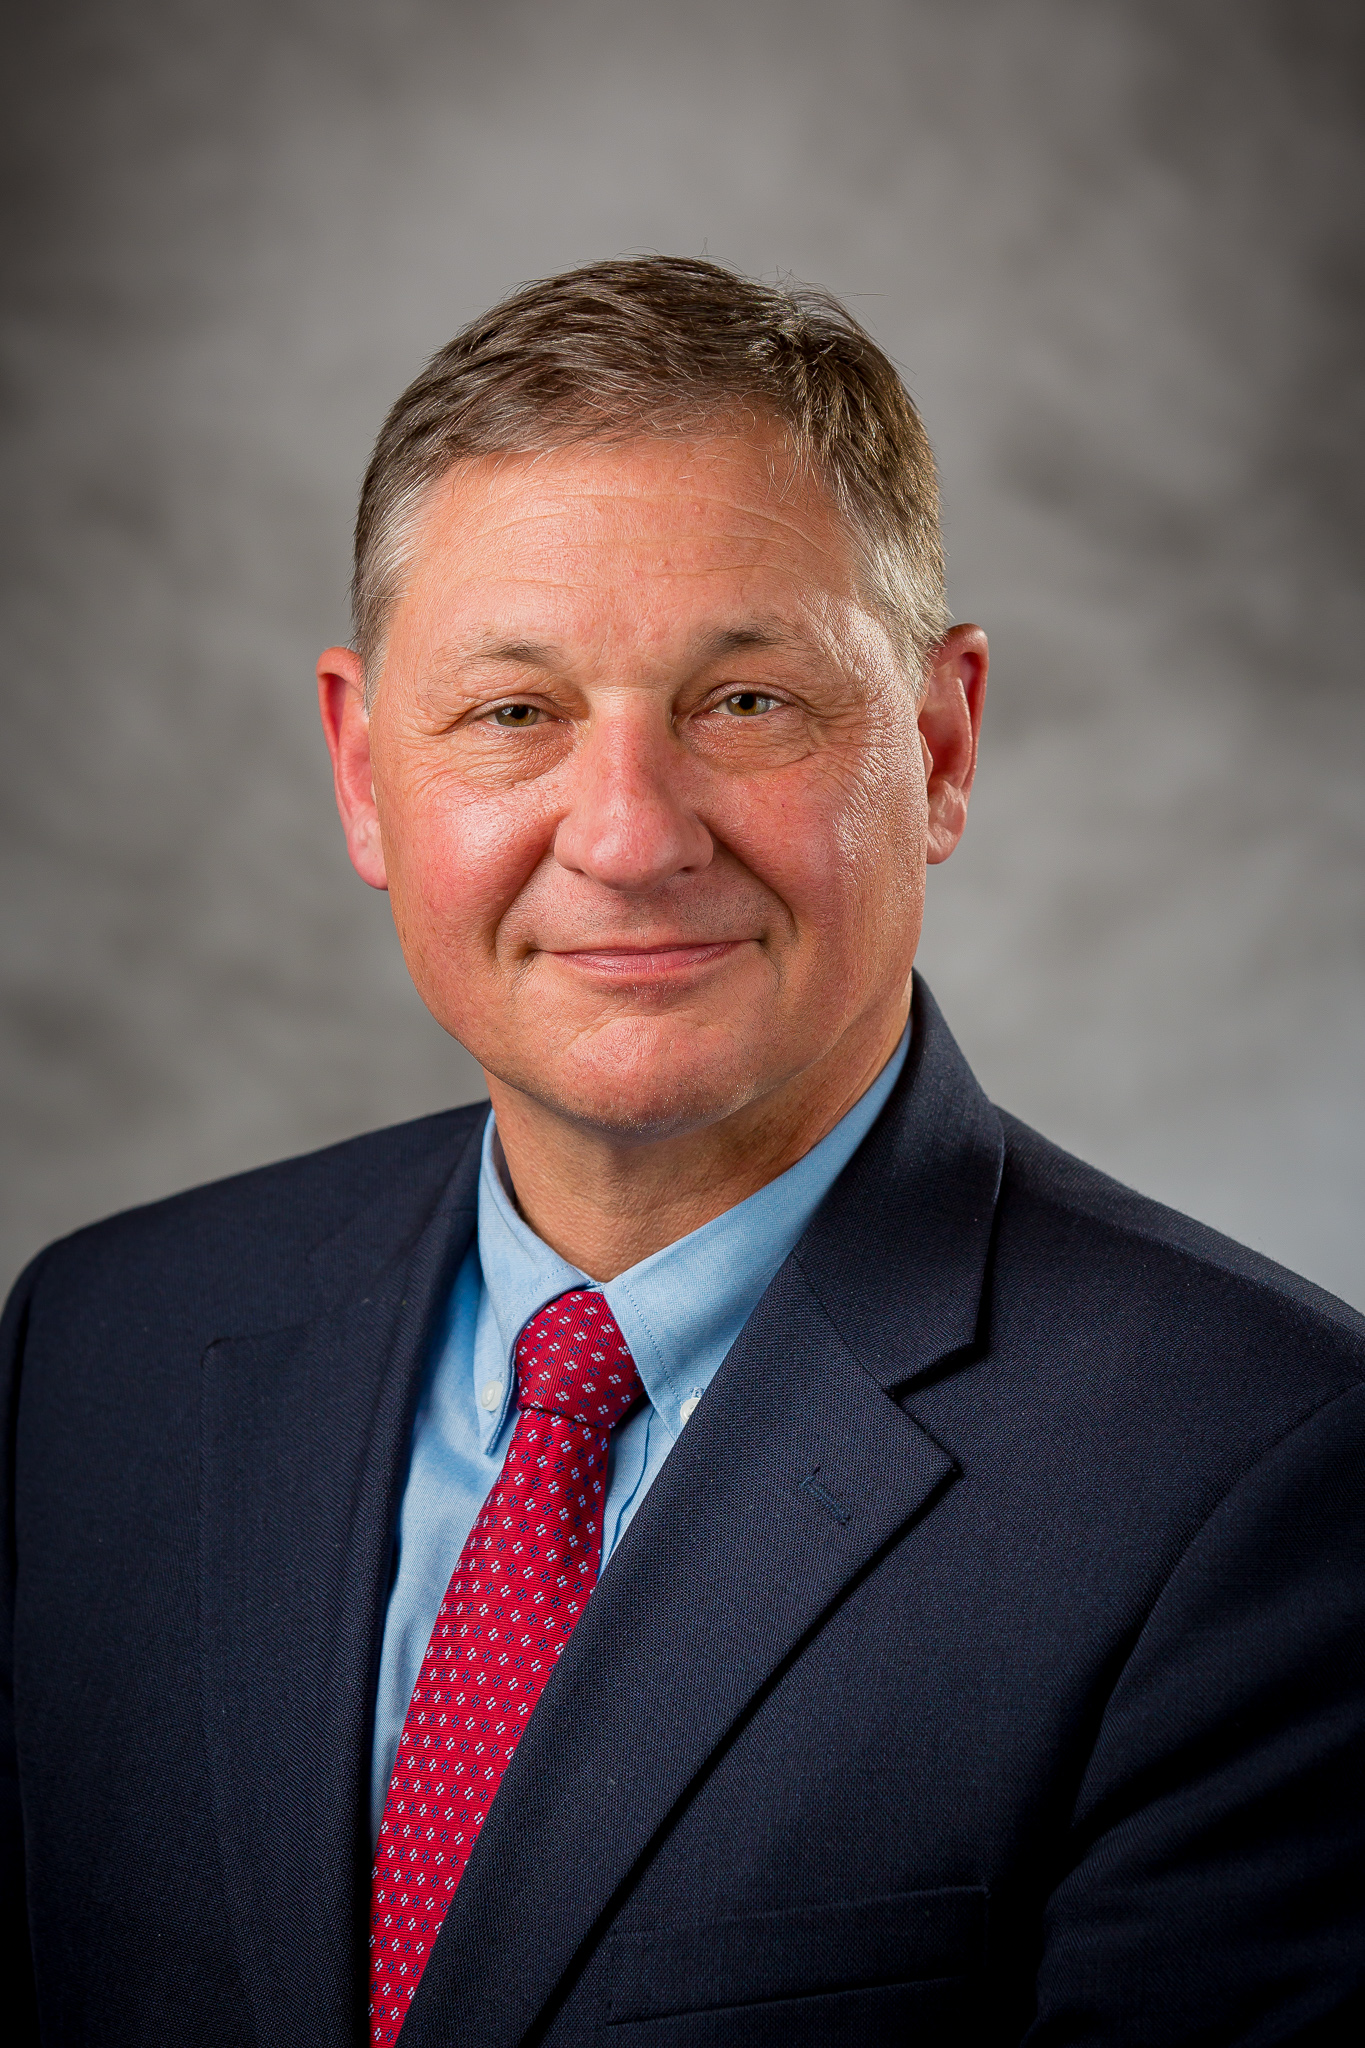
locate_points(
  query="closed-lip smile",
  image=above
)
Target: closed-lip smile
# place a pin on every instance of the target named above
(666, 960)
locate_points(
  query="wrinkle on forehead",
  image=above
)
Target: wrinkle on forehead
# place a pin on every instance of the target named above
(727, 489)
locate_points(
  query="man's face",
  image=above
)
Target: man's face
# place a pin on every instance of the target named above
(650, 791)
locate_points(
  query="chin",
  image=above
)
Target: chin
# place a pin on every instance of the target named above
(644, 1082)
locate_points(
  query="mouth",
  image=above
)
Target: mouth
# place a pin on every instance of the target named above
(671, 960)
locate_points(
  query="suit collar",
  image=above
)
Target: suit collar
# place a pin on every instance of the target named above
(795, 1475)
(384, 1232)
(898, 1252)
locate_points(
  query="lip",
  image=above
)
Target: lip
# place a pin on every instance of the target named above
(669, 962)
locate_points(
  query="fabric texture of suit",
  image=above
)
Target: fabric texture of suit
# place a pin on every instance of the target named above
(995, 1629)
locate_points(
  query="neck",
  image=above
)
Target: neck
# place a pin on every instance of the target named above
(604, 1204)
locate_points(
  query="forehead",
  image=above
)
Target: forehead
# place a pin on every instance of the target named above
(655, 535)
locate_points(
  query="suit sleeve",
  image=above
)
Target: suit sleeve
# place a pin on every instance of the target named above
(1217, 1889)
(16, 1962)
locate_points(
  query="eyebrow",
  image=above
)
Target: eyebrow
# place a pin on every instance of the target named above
(522, 653)
(734, 638)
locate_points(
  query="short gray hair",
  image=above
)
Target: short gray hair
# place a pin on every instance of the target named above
(663, 344)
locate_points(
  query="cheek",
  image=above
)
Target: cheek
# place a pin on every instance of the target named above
(843, 845)
(883, 837)
(457, 857)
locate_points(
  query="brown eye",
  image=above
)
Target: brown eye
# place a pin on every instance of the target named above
(748, 703)
(516, 715)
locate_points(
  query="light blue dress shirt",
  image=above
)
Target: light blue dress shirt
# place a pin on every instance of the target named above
(679, 1311)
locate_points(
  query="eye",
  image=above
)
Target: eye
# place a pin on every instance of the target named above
(516, 715)
(748, 703)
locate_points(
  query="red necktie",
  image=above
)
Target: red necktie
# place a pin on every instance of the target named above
(523, 1579)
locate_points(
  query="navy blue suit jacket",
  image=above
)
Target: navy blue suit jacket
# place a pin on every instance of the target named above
(994, 1633)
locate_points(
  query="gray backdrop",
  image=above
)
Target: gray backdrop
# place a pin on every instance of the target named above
(1116, 248)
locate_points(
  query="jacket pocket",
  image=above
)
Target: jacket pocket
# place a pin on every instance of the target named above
(797, 1952)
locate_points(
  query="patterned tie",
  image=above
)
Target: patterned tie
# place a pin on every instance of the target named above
(523, 1579)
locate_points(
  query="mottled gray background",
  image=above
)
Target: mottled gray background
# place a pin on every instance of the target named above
(1117, 249)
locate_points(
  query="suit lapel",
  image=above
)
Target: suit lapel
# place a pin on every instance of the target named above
(303, 1447)
(795, 1474)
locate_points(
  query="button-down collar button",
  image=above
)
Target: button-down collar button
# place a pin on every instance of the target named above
(491, 1394)
(688, 1408)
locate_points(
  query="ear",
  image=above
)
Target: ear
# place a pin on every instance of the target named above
(346, 725)
(949, 727)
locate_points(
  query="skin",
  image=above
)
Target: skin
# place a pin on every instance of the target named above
(653, 799)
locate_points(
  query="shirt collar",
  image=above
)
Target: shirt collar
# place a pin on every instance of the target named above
(681, 1309)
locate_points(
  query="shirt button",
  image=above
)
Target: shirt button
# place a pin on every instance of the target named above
(492, 1394)
(688, 1408)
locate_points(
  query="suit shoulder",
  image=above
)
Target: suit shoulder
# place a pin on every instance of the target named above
(268, 1219)
(1143, 1262)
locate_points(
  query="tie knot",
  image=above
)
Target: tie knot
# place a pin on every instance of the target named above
(573, 1361)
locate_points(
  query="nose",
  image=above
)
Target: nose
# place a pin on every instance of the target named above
(629, 824)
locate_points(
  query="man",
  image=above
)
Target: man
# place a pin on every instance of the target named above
(746, 1543)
